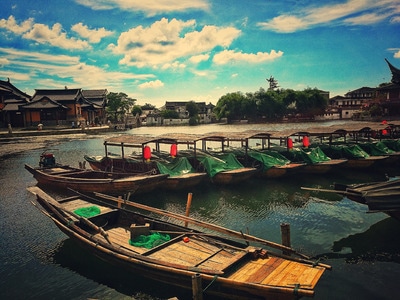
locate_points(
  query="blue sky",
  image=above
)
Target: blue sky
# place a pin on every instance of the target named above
(180, 50)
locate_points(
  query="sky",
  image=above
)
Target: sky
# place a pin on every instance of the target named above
(183, 50)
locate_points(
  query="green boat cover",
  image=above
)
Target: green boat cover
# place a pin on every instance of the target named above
(345, 151)
(220, 163)
(268, 160)
(392, 144)
(150, 241)
(178, 166)
(376, 148)
(87, 212)
(308, 155)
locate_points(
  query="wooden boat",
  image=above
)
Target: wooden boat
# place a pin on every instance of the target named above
(315, 160)
(89, 181)
(378, 196)
(270, 164)
(223, 168)
(181, 175)
(356, 157)
(222, 259)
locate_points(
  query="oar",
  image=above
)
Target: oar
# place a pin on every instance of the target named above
(203, 224)
(339, 192)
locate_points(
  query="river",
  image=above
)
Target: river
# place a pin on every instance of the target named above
(40, 262)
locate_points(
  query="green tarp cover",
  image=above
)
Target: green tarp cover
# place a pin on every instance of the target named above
(87, 212)
(268, 160)
(308, 155)
(392, 144)
(220, 163)
(178, 166)
(376, 148)
(150, 241)
(345, 151)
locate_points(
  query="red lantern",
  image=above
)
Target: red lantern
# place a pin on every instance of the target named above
(384, 132)
(290, 143)
(146, 153)
(306, 141)
(174, 150)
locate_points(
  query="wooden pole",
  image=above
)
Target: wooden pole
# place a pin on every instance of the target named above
(197, 291)
(188, 204)
(205, 225)
(285, 234)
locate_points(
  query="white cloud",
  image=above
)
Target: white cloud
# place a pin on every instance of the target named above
(395, 20)
(166, 41)
(397, 54)
(352, 12)
(11, 25)
(4, 61)
(63, 68)
(366, 19)
(151, 84)
(175, 65)
(150, 7)
(199, 58)
(229, 56)
(54, 36)
(93, 35)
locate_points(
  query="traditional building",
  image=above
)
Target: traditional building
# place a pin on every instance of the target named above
(11, 99)
(94, 108)
(353, 102)
(389, 95)
(65, 107)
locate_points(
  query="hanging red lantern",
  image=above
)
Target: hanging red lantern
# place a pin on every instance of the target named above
(384, 132)
(306, 141)
(174, 150)
(290, 143)
(147, 153)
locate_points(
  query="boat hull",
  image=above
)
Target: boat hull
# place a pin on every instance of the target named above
(89, 181)
(223, 265)
(233, 176)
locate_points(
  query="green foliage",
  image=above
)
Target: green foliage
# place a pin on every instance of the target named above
(118, 105)
(148, 106)
(169, 114)
(136, 110)
(270, 105)
(193, 120)
(192, 109)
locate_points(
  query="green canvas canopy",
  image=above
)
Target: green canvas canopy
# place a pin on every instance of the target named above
(220, 163)
(178, 166)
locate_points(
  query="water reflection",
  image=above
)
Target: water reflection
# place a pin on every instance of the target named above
(70, 255)
(378, 243)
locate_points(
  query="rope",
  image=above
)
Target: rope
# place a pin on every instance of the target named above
(212, 281)
(296, 290)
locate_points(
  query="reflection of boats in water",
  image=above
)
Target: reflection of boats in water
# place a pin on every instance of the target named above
(376, 243)
(69, 255)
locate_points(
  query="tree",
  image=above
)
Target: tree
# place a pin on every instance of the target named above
(230, 106)
(170, 114)
(148, 106)
(192, 109)
(118, 105)
(137, 110)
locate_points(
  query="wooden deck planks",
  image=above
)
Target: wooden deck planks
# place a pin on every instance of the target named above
(121, 236)
(196, 253)
(267, 268)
